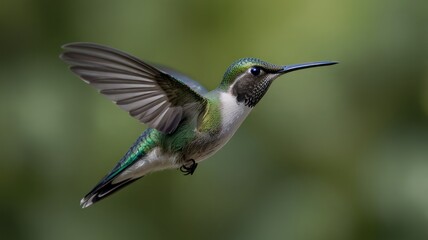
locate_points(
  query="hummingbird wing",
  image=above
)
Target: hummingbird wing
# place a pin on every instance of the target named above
(150, 95)
(197, 87)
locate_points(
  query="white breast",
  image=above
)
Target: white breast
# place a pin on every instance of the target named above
(232, 113)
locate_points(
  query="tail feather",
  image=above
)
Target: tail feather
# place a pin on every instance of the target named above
(104, 190)
(120, 177)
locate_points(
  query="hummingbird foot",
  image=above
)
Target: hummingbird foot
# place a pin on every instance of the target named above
(189, 169)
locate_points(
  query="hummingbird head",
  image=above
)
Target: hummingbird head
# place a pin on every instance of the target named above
(248, 79)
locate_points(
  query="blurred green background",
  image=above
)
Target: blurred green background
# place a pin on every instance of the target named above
(330, 153)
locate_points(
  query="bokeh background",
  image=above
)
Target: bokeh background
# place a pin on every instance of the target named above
(330, 153)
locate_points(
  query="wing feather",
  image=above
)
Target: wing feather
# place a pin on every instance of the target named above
(150, 95)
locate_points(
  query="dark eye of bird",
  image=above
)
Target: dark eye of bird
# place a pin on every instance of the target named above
(255, 71)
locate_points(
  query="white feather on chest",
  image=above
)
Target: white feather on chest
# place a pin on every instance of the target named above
(232, 113)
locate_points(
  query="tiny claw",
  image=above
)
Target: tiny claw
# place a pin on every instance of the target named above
(189, 169)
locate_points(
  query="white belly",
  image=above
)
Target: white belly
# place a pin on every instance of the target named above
(154, 160)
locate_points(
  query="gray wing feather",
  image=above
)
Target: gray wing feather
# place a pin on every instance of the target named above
(152, 96)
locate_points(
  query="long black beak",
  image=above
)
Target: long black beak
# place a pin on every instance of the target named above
(294, 67)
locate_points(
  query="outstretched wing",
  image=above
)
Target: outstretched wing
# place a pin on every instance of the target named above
(150, 95)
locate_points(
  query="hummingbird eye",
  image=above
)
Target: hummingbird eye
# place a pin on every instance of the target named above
(255, 71)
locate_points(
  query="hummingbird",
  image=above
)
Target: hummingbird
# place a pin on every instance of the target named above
(186, 123)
